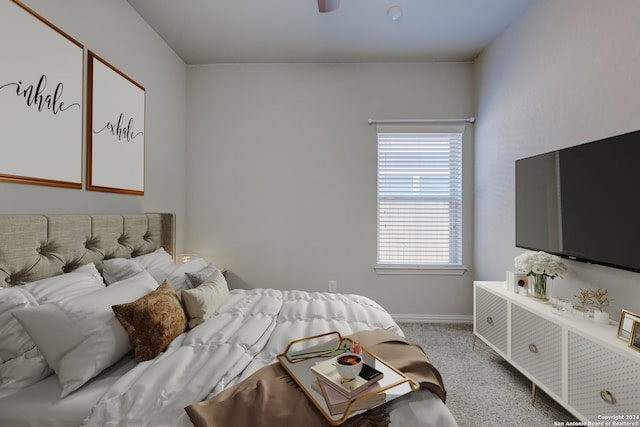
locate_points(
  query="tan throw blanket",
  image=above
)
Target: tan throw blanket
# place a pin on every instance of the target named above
(271, 398)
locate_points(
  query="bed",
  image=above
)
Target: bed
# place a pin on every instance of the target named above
(67, 358)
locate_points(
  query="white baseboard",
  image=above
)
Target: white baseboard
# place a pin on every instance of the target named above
(432, 318)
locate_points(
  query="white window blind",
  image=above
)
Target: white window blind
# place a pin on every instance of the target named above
(420, 196)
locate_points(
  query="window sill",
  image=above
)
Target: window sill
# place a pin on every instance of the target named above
(419, 269)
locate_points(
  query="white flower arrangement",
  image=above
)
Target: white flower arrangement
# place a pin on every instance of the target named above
(540, 263)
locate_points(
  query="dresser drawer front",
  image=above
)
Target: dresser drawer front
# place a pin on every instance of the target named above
(536, 345)
(594, 369)
(491, 318)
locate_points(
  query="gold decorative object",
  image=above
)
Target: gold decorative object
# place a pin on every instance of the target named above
(599, 298)
(584, 298)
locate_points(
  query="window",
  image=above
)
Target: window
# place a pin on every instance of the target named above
(420, 196)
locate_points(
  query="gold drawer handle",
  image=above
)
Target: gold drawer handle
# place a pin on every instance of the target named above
(607, 397)
(490, 320)
(533, 348)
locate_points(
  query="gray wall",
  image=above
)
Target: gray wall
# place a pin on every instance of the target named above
(282, 175)
(566, 73)
(114, 31)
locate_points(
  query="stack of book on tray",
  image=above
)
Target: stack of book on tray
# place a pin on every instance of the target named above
(338, 392)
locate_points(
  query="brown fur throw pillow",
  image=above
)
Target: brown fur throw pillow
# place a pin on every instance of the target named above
(152, 321)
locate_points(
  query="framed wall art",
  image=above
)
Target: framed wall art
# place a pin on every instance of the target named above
(625, 325)
(634, 341)
(115, 130)
(41, 100)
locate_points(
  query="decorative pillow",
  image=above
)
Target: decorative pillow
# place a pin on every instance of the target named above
(80, 337)
(21, 362)
(152, 321)
(199, 277)
(202, 302)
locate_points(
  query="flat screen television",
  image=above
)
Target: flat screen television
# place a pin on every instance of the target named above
(583, 202)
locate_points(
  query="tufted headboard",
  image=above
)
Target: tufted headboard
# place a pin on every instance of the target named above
(33, 247)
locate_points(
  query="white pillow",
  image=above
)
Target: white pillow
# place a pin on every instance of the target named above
(177, 276)
(14, 341)
(157, 263)
(161, 266)
(117, 269)
(202, 302)
(22, 371)
(21, 363)
(80, 281)
(80, 337)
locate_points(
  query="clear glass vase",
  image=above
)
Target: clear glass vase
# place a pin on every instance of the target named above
(541, 288)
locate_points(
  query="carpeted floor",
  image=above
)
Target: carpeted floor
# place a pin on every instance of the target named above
(482, 388)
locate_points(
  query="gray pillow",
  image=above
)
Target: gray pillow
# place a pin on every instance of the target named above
(197, 278)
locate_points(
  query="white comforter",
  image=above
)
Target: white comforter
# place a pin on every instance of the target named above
(251, 329)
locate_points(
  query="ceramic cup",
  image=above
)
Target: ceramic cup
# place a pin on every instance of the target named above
(349, 365)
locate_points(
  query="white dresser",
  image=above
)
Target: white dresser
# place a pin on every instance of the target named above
(579, 363)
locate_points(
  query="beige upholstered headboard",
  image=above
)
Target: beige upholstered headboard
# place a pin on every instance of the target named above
(33, 247)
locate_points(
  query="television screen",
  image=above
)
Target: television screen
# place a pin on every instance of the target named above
(583, 202)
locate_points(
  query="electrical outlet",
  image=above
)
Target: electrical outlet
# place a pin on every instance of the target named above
(333, 286)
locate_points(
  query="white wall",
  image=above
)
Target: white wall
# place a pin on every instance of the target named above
(281, 164)
(565, 73)
(282, 174)
(114, 31)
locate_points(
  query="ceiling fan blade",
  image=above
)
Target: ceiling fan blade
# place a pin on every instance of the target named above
(328, 5)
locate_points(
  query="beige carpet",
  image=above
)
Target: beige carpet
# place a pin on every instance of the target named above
(482, 388)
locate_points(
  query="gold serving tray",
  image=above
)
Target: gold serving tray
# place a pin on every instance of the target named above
(300, 355)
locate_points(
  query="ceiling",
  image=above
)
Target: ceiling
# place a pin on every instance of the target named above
(273, 31)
